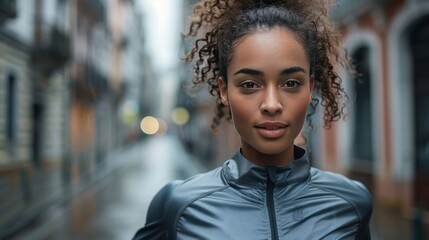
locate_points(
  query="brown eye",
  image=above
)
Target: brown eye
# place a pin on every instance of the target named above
(292, 84)
(249, 85)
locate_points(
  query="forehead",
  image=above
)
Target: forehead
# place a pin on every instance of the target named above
(276, 45)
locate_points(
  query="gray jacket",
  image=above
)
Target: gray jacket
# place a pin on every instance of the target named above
(243, 201)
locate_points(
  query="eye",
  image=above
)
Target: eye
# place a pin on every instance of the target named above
(292, 84)
(248, 85)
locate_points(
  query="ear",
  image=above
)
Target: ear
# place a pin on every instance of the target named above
(223, 87)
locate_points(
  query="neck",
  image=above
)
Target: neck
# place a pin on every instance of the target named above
(267, 160)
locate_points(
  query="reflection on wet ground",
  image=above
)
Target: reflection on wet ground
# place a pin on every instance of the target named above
(115, 206)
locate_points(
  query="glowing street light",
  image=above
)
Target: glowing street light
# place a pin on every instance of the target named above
(149, 125)
(130, 112)
(180, 116)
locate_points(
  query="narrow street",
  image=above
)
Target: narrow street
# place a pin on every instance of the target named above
(115, 206)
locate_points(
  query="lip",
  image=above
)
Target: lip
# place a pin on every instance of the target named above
(271, 130)
(271, 125)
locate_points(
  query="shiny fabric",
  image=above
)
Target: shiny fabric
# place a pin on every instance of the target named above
(243, 201)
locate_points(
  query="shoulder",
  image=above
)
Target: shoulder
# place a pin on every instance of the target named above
(196, 184)
(176, 195)
(354, 192)
(196, 187)
(167, 205)
(202, 181)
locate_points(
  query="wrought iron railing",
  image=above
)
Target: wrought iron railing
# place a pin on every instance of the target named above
(53, 51)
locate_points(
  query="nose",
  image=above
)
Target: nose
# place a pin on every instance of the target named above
(271, 103)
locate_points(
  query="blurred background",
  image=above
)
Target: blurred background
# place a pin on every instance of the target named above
(95, 117)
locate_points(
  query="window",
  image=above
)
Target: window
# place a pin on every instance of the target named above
(362, 140)
(419, 43)
(10, 107)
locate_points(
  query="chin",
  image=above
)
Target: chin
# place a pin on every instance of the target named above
(274, 149)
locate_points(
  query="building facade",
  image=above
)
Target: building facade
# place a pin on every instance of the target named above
(67, 68)
(15, 85)
(384, 141)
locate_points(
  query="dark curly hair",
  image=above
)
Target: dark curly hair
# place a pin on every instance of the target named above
(218, 24)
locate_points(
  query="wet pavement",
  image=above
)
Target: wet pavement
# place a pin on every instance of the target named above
(115, 206)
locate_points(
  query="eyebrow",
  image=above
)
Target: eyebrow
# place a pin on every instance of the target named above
(255, 72)
(294, 69)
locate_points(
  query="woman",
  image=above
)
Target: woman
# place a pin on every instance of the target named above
(266, 62)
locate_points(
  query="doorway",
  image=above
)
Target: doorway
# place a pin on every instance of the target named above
(419, 44)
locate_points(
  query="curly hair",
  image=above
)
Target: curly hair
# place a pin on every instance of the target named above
(224, 22)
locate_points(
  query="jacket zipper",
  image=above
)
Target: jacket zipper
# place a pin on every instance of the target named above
(271, 209)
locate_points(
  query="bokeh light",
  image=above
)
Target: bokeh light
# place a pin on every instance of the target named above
(149, 125)
(180, 116)
(130, 112)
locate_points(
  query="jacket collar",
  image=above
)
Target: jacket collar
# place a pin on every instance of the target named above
(240, 171)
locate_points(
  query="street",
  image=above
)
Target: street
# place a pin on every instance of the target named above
(115, 206)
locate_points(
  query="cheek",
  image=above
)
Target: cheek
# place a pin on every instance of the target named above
(300, 109)
(239, 111)
(242, 111)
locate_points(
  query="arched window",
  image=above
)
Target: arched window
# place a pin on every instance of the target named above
(362, 140)
(419, 45)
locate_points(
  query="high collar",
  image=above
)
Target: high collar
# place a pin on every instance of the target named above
(240, 171)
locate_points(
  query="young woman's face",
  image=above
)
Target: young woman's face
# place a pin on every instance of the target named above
(268, 91)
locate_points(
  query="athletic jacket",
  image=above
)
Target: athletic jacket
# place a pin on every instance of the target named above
(243, 201)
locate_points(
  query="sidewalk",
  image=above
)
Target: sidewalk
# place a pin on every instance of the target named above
(25, 192)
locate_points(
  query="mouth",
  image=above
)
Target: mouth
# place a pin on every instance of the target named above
(271, 130)
(271, 125)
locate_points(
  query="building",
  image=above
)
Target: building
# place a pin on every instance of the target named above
(385, 140)
(15, 86)
(16, 107)
(107, 80)
(67, 69)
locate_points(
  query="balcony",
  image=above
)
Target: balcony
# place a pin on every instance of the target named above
(90, 84)
(53, 50)
(7, 10)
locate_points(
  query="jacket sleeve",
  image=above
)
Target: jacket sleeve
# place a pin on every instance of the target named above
(155, 227)
(366, 212)
(364, 233)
